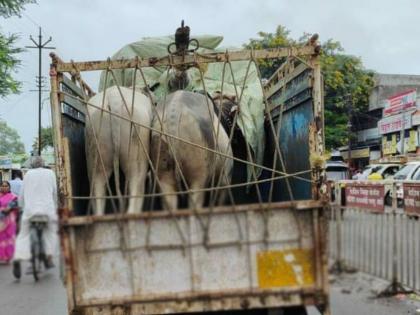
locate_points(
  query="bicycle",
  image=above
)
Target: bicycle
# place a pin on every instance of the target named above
(38, 257)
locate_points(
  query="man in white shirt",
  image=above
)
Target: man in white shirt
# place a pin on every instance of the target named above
(16, 182)
(38, 196)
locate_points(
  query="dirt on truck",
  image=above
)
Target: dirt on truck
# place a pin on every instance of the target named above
(249, 237)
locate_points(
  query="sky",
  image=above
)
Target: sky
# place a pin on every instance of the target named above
(384, 34)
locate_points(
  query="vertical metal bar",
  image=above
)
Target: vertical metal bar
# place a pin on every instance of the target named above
(331, 236)
(317, 248)
(248, 249)
(324, 258)
(366, 241)
(400, 235)
(189, 221)
(362, 243)
(58, 137)
(338, 240)
(394, 237)
(390, 238)
(378, 242)
(407, 249)
(417, 254)
(373, 243)
(349, 240)
(357, 239)
(412, 274)
(381, 242)
(369, 242)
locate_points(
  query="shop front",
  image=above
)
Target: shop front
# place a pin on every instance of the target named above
(399, 128)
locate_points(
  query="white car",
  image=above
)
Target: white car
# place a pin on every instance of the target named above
(410, 172)
(387, 171)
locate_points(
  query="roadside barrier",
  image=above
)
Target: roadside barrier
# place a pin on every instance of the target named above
(375, 228)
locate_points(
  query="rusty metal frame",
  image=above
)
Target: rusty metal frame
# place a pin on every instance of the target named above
(212, 301)
(192, 59)
(182, 303)
(298, 206)
(203, 301)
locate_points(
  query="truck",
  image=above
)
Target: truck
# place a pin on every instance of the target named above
(258, 255)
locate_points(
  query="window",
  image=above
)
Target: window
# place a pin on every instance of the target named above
(390, 171)
(406, 171)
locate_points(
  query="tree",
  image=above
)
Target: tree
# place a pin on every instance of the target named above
(8, 51)
(347, 83)
(46, 139)
(10, 142)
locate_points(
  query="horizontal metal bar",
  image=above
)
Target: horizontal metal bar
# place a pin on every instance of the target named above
(297, 205)
(205, 296)
(210, 245)
(182, 60)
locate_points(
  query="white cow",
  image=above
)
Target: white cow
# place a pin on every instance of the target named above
(189, 116)
(113, 143)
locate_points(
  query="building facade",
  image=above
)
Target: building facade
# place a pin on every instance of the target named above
(393, 106)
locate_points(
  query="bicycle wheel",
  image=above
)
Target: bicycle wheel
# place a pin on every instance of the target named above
(35, 263)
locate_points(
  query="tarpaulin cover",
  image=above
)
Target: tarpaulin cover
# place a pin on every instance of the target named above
(246, 87)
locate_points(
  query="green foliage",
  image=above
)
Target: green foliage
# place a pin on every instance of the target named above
(10, 142)
(8, 51)
(46, 139)
(347, 84)
(347, 89)
(8, 63)
(13, 7)
(281, 38)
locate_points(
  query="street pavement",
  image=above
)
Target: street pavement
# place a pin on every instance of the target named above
(24, 297)
(351, 294)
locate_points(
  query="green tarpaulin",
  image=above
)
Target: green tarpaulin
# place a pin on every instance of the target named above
(251, 114)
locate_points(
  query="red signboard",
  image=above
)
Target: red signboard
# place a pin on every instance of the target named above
(400, 102)
(394, 123)
(412, 198)
(365, 196)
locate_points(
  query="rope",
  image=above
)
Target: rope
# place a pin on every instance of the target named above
(186, 141)
(198, 190)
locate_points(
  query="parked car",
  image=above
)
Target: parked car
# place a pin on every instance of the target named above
(410, 172)
(387, 171)
(337, 170)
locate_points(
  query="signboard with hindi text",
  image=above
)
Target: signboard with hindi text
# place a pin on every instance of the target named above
(412, 198)
(365, 196)
(394, 123)
(389, 146)
(400, 102)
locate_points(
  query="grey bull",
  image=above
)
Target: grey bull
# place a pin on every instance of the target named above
(191, 117)
(114, 143)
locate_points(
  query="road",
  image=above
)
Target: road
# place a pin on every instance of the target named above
(47, 297)
(351, 295)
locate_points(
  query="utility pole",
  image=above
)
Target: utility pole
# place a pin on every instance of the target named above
(402, 133)
(39, 45)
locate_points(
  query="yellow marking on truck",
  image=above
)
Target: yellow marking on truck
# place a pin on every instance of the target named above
(285, 268)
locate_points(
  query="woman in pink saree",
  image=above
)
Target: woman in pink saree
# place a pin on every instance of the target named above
(7, 222)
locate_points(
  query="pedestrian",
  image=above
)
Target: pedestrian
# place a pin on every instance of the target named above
(358, 174)
(16, 182)
(38, 196)
(8, 212)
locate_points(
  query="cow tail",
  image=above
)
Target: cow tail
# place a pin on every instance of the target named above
(116, 141)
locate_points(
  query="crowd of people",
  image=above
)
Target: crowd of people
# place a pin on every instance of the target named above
(21, 199)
